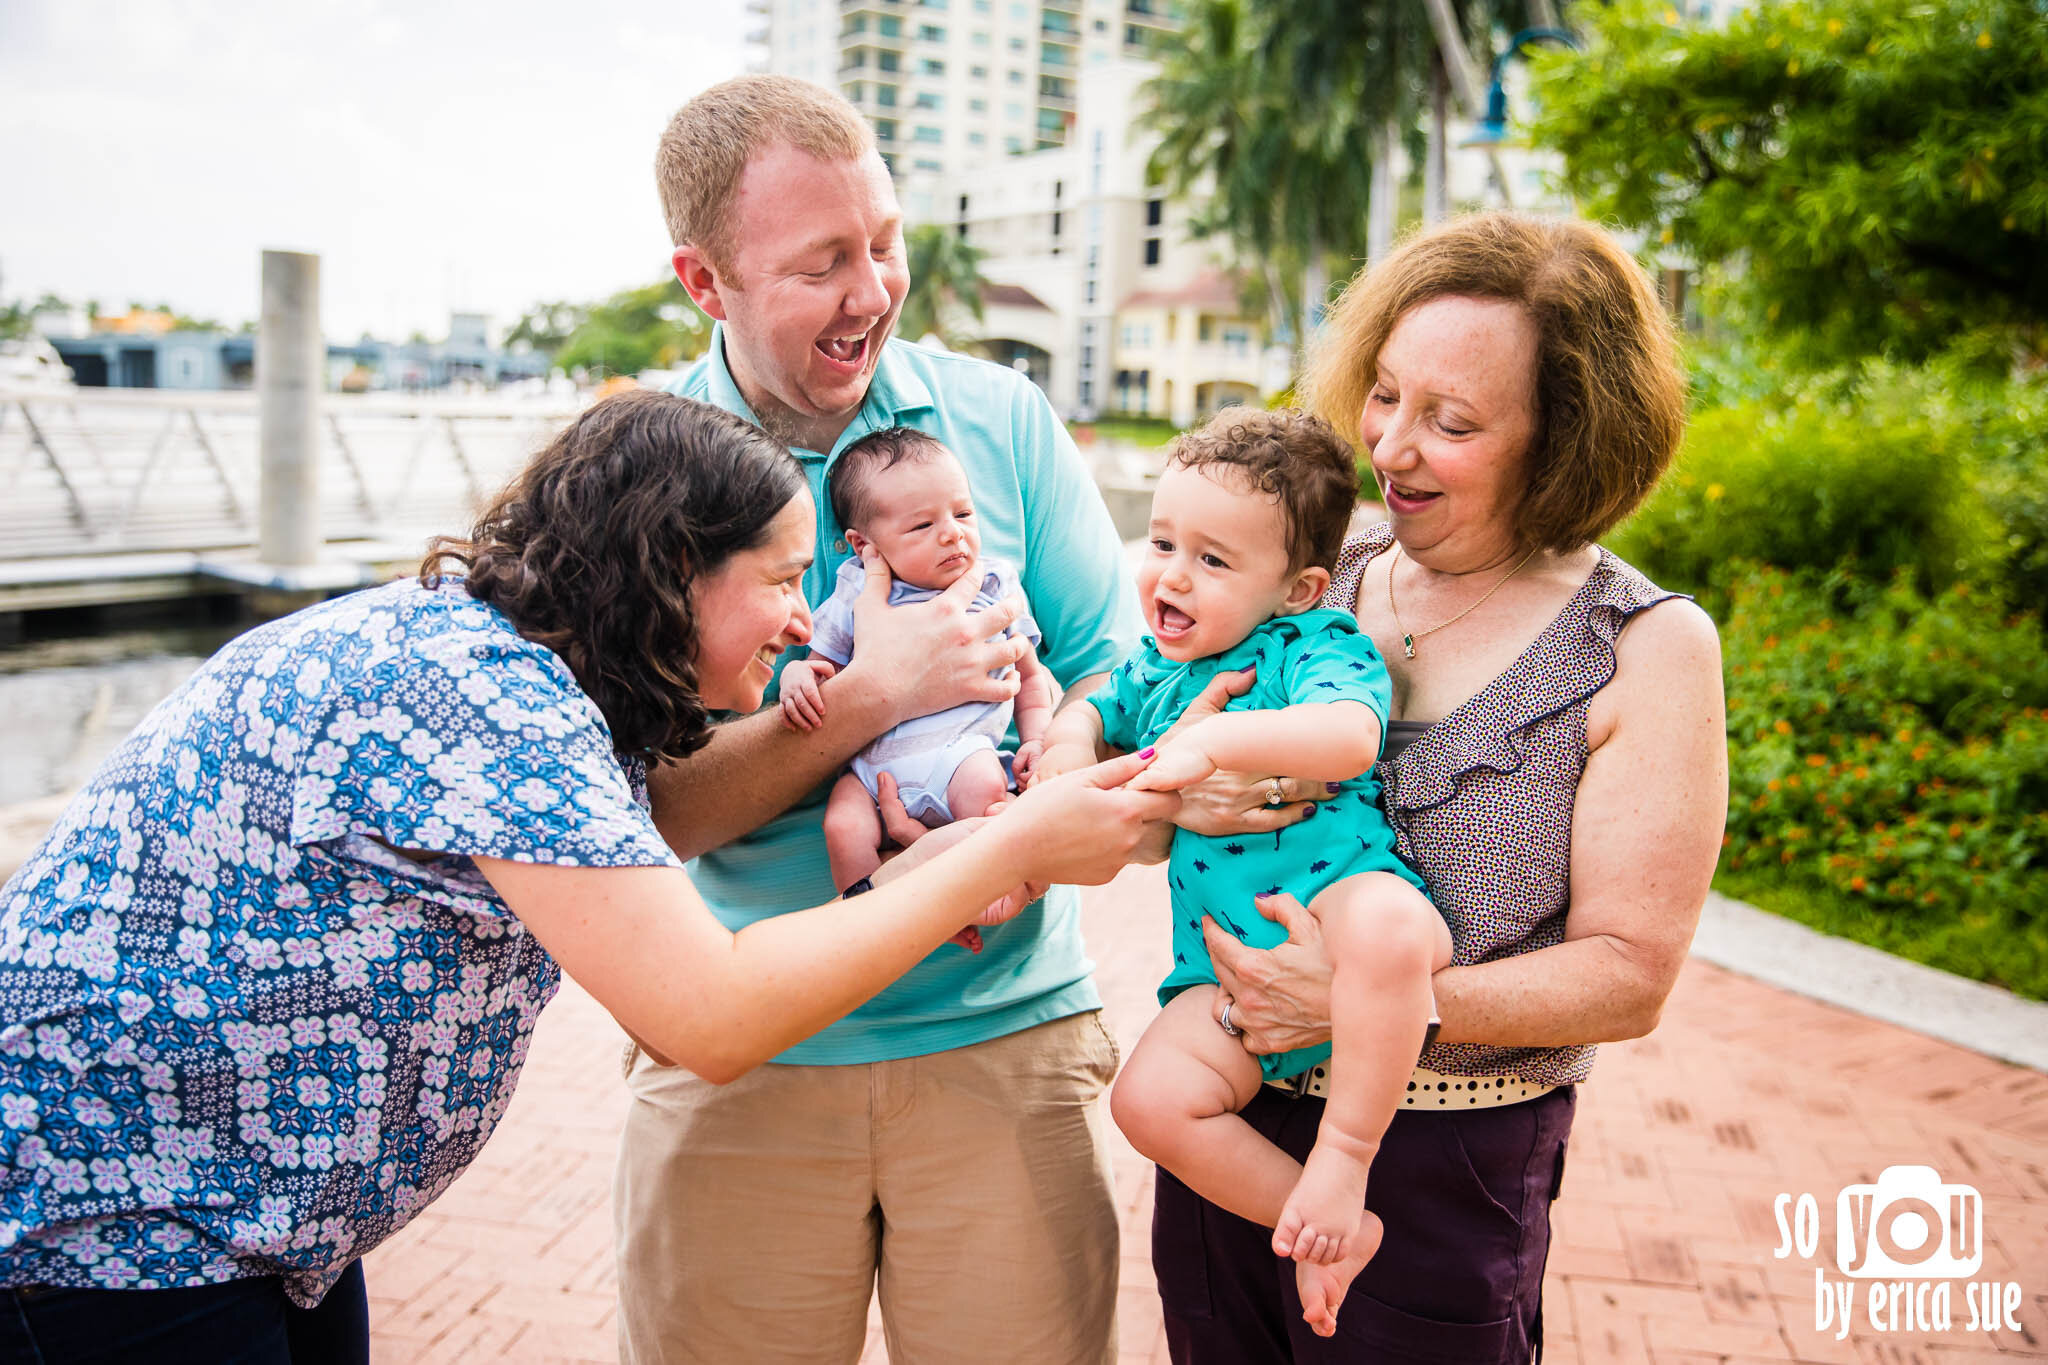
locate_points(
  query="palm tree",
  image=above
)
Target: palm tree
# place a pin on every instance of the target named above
(1398, 58)
(1283, 112)
(1279, 186)
(945, 282)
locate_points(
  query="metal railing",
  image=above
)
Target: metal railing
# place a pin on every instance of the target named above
(103, 472)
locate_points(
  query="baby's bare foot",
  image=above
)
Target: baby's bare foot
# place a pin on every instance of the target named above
(1321, 1218)
(1323, 1287)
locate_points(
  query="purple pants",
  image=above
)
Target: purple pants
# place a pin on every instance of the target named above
(1459, 1280)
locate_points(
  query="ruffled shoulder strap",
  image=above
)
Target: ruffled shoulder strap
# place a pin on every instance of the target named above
(1349, 570)
(1561, 669)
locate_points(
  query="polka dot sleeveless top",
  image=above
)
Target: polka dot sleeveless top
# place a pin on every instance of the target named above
(1481, 802)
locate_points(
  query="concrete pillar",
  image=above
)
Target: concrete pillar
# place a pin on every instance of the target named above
(291, 361)
(1436, 178)
(1380, 204)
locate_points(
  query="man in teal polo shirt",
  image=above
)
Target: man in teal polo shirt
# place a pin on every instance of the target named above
(943, 1141)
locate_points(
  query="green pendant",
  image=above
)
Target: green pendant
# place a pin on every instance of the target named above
(1408, 644)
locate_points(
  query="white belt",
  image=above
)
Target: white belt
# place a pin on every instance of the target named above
(1433, 1089)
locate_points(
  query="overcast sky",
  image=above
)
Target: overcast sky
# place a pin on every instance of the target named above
(438, 155)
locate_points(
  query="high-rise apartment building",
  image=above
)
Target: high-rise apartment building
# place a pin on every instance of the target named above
(1097, 287)
(953, 83)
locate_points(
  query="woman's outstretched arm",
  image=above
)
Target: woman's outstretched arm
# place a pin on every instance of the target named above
(645, 945)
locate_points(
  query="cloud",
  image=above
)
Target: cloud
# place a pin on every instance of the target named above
(437, 157)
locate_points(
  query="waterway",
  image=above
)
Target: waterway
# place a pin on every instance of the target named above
(66, 700)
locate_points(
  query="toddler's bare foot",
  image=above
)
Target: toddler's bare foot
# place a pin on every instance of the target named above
(1321, 1218)
(1323, 1287)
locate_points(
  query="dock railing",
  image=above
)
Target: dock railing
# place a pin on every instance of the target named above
(101, 473)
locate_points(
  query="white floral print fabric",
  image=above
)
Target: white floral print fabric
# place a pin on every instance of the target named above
(239, 1035)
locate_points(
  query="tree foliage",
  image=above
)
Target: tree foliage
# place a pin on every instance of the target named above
(655, 327)
(1272, 110)
(1278, 186)
(945, 285)
(547, 327)
(1873, 174)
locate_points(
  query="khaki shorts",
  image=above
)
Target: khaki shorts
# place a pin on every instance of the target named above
(971, 1187)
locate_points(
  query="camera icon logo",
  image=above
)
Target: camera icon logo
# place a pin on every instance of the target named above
(1909, 1225)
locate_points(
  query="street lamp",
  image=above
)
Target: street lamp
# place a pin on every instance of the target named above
(1492, 131)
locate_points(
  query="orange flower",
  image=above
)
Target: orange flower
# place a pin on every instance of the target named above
(1857, 883)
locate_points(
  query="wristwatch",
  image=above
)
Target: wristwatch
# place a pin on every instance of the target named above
(859, 888)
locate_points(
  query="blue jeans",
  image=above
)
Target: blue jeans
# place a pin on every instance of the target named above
(241, 1322)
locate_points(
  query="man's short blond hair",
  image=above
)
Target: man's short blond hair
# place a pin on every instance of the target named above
(706, 147)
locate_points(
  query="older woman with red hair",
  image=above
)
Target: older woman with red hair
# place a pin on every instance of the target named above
(1555, 768)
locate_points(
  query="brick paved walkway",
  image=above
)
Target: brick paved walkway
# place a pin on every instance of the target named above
(1664, 1235)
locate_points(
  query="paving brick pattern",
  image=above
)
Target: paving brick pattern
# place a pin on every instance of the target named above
(1664, 1237)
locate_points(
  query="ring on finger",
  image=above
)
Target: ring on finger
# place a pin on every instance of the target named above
(1274, 795)
(1223, 1021)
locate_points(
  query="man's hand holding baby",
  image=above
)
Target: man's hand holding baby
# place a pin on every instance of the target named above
(934, 654)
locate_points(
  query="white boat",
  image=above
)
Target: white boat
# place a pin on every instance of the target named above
(32, 364)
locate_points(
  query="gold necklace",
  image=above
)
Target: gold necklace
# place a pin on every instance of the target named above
(1408, 640)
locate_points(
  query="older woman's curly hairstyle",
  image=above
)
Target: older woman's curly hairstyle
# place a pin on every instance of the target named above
(1610, 398)
(593, 548)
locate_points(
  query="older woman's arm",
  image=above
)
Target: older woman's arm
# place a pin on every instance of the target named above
(1646, 833)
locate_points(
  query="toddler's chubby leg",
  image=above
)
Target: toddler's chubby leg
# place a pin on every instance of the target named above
(853, 832)
(1177, 1100)
(978, 783)
(1385, 940)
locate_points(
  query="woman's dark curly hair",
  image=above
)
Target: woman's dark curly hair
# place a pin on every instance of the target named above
(592, 550)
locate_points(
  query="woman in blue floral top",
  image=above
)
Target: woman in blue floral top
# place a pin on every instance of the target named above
(267, 985)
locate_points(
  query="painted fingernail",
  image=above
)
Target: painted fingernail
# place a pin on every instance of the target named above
(1308, 810)
(1333, 787)
(1148, 751)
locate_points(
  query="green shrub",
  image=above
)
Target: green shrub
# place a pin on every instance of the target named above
(1813, 485)
(1937, 468)
(1889, 767)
